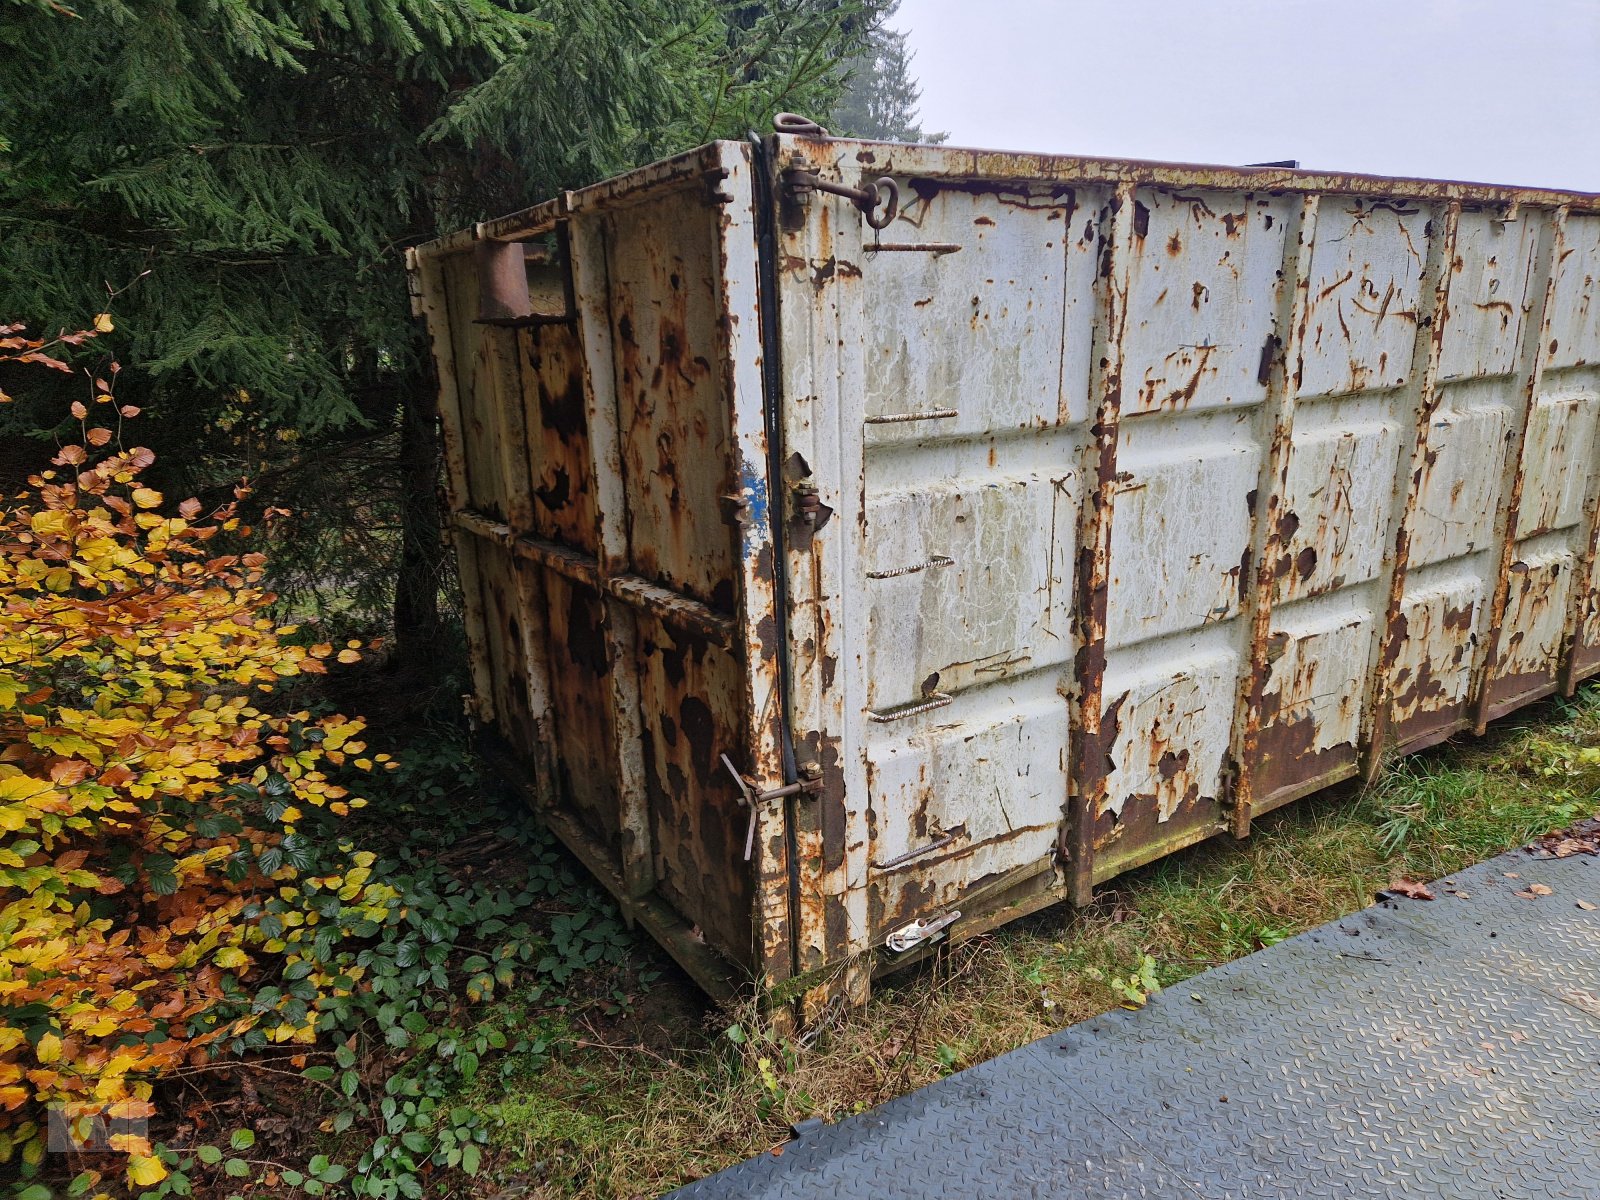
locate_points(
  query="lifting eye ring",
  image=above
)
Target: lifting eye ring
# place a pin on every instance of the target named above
(870, 207)
(788, 122)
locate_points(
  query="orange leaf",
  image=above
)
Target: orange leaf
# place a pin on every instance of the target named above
(70, 771)
(1411, 889)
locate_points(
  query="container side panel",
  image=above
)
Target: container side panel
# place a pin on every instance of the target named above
(1535, 611)
(977, 365)
(1310, 712)
(1208, 287)
(1200, 310)
(493, 419)
(1364, 294)
(1341, 469)
(585, 724)
(561, 475)
(1362, 359)
(971, 800)
(1453, 499)
(673, 418)
(479, 398)
(694, 692)
(986, 333)
(955, 599)
(1550, 525)
(1575, 304)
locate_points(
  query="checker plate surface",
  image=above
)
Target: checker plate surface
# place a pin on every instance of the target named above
(1448, 1049)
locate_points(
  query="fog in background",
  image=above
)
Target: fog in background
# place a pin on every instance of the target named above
(1459, 89)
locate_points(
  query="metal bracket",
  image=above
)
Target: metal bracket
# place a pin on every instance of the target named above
(712, 181)
(810, 781)
(909, 937)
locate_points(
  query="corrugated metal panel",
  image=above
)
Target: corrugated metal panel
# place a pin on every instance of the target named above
(1108, 506)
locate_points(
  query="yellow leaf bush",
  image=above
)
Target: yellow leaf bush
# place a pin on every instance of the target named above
(149, 795)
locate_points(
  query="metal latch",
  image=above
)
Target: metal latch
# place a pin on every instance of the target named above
(878, 210)
(908, 937)
(810, 781)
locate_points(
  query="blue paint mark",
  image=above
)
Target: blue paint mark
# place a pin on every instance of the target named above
(754, 486)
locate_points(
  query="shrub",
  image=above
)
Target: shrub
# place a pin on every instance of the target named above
(157, 808)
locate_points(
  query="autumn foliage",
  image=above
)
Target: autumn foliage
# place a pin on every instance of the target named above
(154, 804)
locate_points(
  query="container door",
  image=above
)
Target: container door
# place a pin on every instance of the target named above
(935, 398)
(600, 358)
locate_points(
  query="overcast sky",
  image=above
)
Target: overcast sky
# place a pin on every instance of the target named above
(1504, 92)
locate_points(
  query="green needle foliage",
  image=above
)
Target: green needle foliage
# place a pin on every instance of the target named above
(241, 177)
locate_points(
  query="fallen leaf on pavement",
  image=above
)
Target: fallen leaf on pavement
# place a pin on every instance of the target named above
(1567, 847)
(1534, 891)
(1586, 906)
(1411, 889)
(1582, 838)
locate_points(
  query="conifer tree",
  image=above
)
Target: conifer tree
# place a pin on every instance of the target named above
(243, 176)
(881, 95)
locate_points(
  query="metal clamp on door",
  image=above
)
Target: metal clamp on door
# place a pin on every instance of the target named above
(811, 781)
(909, 937)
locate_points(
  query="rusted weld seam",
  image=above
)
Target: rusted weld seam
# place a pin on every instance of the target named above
(1090, 743)
(911, 855)
(937, 249)
(1582, 597)
(937, 560)
(589, 245)
(433, 305)
(936, 700)
(673, 608)
(932, 414)
(1535, 353)
(777, 882)
(647, 183)
(971, 165)
(1388, 633)
(1267, 541)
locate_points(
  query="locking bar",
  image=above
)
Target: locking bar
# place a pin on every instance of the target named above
(800, 181)
(810, 782)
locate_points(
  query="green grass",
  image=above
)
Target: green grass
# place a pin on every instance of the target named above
(639, 1102)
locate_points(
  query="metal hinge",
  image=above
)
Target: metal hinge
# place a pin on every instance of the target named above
(810, 782)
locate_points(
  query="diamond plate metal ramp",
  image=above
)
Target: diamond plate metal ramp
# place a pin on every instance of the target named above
(1448, 1049)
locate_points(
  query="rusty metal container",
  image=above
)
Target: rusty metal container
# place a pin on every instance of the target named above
(867, 544)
